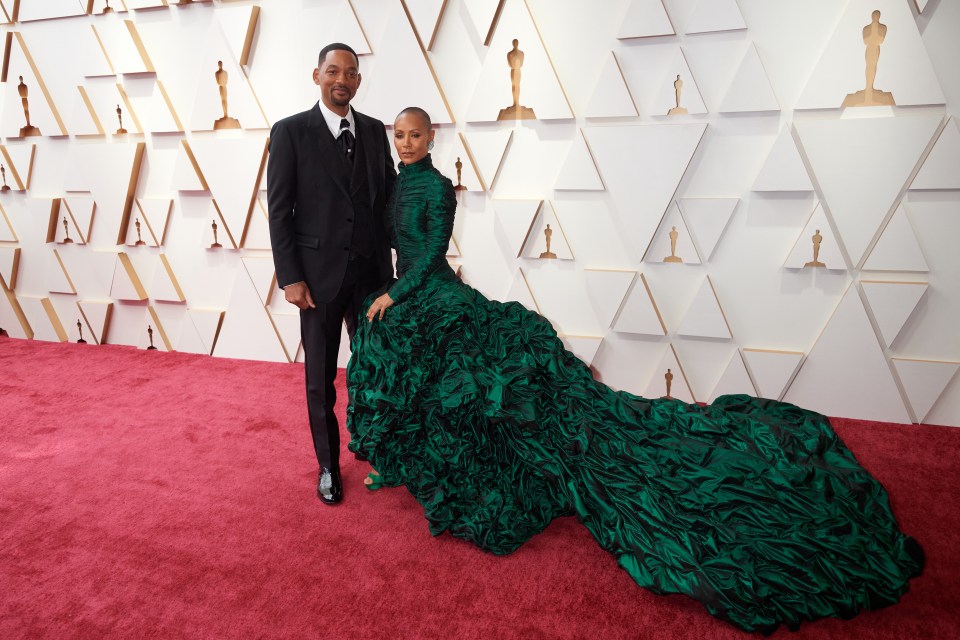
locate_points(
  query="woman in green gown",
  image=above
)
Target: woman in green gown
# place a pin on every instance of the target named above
(753, 507)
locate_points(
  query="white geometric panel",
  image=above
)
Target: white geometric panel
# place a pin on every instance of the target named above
(9, 265)
(122, 44)
(666, 96)
(80, 210)
(645, 18)
(207, 106)
(670, 366)
(772, 369)
(784, 169)
(469, 176)
(611, 97)
(672, 243)
(941, 169)
(165, 286)
(258, 231)
(514, 220)
(846, 374)
(58, 280)
(520, 292)
(238, 25)
(594, 233)
(897, 249)
(43, 319)
(750, 89)
(704, 317)
(924, 382)
(639, 313)
(641, 167)
(481, 14)
(904, 69)
(426, 16)
(399, 55)
(584, 347)
(861, 166)
(46, 9)
(110, 173)
(232, 167)
(487, 148)
(261, 272)
(96, 315)
(562, 298)
(707, 219)
(607, 289)
(248, 331)
(715, 15)
(206, 323)
(7, 233)
(734, 379)
(148, 98)
(104, 97)
(126, 283)
(892, 303)
(540, 89)
(18, 159)
(803, 249)
(288, 329)
(186, 171)
(155, 213)
(43, 111)
(579, 172)
(535, 244)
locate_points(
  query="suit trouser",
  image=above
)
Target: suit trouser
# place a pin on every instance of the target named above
(320, 332)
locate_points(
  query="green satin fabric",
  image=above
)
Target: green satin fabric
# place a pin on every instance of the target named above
(753, 507)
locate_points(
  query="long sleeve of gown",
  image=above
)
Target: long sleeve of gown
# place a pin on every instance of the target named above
(423, 238)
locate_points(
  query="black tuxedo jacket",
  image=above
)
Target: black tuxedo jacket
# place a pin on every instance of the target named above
(310, 207)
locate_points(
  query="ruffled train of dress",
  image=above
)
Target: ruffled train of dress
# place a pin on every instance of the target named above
(753, 507)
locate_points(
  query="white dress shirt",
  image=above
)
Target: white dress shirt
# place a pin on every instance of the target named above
(333, 120)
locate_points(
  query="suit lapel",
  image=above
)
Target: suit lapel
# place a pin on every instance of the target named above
(330, 155)
(367, 136)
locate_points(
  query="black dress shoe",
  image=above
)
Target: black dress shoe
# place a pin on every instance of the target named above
(329, 486)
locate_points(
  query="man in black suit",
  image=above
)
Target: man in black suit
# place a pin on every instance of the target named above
(328, 180)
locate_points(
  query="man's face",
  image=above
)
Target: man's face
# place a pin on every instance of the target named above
(338, 79)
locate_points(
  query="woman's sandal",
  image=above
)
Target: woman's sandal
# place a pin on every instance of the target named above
(373, 481)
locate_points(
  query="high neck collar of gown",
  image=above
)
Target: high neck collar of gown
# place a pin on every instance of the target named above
(419, 166)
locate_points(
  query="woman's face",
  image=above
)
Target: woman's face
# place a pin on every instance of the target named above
(411, 136)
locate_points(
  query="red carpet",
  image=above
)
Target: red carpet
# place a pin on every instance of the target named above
(163, 495)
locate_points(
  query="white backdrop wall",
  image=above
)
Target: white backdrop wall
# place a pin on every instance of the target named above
(764, 158)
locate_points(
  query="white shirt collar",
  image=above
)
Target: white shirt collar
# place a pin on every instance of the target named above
(333, 120)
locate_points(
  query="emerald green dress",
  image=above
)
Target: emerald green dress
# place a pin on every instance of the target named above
(753, 507)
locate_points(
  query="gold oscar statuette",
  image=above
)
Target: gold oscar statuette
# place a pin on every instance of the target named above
(677, 90)
(3, 172)
(28, 130)
(226, 122)
(550, 255)
(673, 257)
(139, 242)
(873, 36)
(150, 335)
(215, 245)
(516, 111)
(121, 130)
(108, 8)
(817, 239)
(80, 329)
(668, 377)
(459, 166)
(66, 230)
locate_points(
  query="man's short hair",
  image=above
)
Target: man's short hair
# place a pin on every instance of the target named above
(336, 46)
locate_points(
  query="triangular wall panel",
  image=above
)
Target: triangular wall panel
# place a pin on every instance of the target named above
(892, 304)
(924, 382)
(897, 249)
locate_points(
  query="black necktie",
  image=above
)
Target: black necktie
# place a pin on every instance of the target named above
(346, 139)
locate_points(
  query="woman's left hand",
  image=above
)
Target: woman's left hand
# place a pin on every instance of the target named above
(379, 306)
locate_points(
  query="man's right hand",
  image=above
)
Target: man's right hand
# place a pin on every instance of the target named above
(298, 295)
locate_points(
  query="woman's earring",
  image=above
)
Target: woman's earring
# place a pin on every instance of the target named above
(430, 146)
